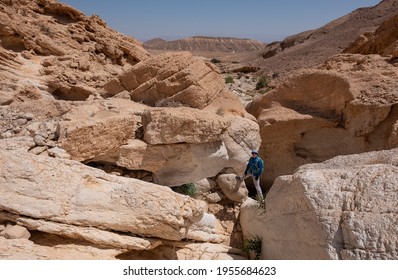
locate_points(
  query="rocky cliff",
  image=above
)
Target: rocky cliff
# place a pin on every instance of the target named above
(206, 44)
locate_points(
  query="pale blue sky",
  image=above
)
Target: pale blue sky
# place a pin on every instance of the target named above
(264, 20)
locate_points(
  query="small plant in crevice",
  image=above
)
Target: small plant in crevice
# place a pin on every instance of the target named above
(215, 60)
(186, 189)
(252, 247)
(262, 83)
(261, 202)
(229, 80)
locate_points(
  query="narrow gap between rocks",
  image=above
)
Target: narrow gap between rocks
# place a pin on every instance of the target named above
(113, 169)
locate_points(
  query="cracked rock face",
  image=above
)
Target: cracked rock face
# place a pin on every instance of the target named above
(173, 78)
(345, 208)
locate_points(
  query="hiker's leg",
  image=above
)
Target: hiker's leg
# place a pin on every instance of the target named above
(243, 177)
(257, 185)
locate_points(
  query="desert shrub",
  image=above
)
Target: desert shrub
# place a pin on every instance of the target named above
(261, 203)
(252, 247)
(186, 189)
(229, 80)
(262, 83)
(215, 60)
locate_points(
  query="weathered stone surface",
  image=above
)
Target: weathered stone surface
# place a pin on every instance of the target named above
(204, 186)
(68, 192)
(15, 232)
(363, 119)
(58, 153)
(175, 164)
(22, 249)
(214, 197)
(208, 229)
(105, 134)
(345, 208)
(243, 136)
(187, 251)
(182, 125)
(252, 220)
(234, 189)
(107, 125)
(101, 238)
(173, 78)
(280, 129)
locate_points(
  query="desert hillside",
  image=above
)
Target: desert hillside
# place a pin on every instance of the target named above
(312, 47)
(109, 151)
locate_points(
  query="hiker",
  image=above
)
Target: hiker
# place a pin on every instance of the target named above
(254, 168)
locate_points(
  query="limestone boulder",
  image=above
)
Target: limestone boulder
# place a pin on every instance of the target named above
(95, 137)
(187, 251)
(252, 219)
(243, 135)
(22, 249)
(344, 208)
(309, 91)
(204, 186)
(232, 188)
(173, 78)
(280, 130)
(101, 238)
(15, 232)
(182, 125)
(64, 191)
(208, 251)
(174, 164)
(94, 129)
(208, 229)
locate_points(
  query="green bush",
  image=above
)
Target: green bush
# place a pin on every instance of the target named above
(253, 246)
(262, 83)
(186, 189)
(215, 60)
(261, 203)
(229, 80)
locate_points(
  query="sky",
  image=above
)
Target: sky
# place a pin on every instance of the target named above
(263, 20)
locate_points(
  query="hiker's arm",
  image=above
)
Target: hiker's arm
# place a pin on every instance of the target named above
(260, 167)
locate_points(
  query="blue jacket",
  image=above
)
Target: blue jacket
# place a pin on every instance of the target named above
(255, 166)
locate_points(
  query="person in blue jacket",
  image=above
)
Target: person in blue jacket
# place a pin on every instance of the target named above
(254, 168)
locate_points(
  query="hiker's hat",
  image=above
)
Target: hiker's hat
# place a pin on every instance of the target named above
(255, 152)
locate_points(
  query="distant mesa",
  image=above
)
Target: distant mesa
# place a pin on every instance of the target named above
(206, 44)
